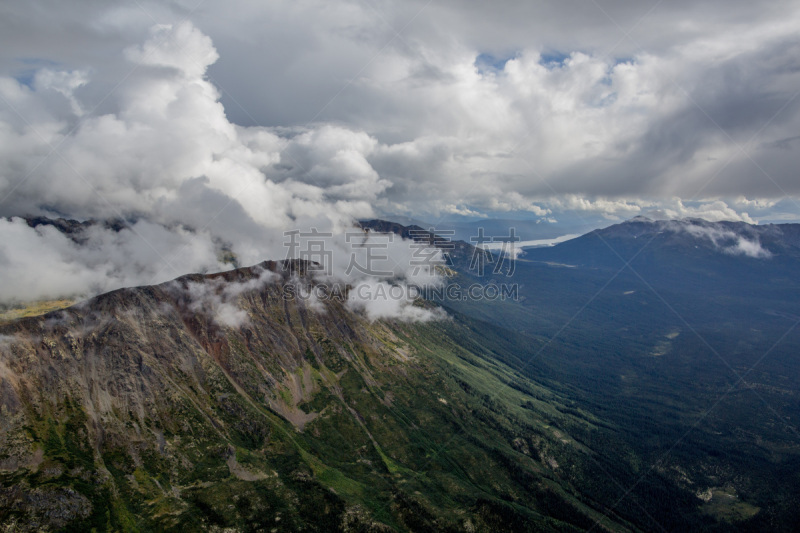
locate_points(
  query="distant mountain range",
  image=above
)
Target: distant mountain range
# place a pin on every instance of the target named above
(681, 236)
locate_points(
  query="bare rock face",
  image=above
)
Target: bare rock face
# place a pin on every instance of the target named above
(44, 508)
(135, 353)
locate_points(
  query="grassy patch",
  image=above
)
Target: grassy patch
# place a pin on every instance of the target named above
(33, 309)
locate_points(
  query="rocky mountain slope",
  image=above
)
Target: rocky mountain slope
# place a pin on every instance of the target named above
(216, 402)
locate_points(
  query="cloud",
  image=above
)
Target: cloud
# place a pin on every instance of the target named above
(44, 263)
(314, 299)
(398, 107)
(727, 241)
(214, 130)
(462, 211)
(380, 300)
(750, 249)
(653, 116)
(63, 82)
(218, 298)
(714, 211)
(381, 274)
(335, 159)
(182, 47)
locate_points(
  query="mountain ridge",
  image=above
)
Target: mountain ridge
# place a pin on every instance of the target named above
(139, 409)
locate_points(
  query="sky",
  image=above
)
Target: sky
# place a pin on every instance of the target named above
(211, 124)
